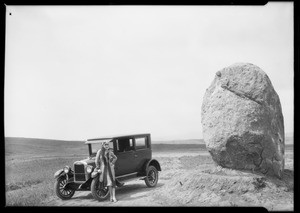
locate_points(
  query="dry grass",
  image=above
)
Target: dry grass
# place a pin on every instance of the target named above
(197, 181)
(30, 167)
(31, 164)
(29, 183)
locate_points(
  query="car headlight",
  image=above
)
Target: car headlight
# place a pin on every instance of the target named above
(89, 169)
(66, 169)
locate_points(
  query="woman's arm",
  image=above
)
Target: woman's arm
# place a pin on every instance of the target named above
(114, 157)
(97, 159)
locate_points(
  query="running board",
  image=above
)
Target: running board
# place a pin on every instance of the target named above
(129, 177)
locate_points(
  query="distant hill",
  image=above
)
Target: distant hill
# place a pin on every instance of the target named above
(289, 140)
(44, 147)
(19, 146)
(289, 134)
(177, 147)
(36, 140)
(187, 141)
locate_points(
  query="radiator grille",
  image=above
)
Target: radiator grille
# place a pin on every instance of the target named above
(79, 172)
(79, 168)
(79, 177)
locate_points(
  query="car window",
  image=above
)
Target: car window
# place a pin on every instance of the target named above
(124, 144)
(140, 143)
(97, 146)
(111, 145)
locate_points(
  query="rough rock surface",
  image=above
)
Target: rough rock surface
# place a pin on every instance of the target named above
(242, 120)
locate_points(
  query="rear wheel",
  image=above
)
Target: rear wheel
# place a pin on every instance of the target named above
(60, 190)
(98, 192)
(151, 176)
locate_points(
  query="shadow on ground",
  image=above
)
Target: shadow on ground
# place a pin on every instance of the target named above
(126, 192)
(287, 180)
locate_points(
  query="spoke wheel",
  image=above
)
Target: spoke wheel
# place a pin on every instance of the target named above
(60, 189)
(98, 192)
(151, 176)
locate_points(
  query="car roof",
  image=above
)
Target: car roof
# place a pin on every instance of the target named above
(110, 137)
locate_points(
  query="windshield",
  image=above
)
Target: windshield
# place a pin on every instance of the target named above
(96, 146)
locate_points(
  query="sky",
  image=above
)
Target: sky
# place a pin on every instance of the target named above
(79, 72)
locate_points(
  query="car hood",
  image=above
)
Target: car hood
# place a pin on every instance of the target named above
(89, 161)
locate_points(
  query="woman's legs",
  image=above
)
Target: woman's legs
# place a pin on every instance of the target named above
(110, 192)
(114, 194)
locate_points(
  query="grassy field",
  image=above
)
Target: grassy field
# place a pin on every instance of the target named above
(29, 173)
(31, 163)
(28, 183)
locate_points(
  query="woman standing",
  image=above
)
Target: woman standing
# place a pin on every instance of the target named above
(105, 160)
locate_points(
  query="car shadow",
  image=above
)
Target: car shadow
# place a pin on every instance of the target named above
(84, 197)
(125, 193)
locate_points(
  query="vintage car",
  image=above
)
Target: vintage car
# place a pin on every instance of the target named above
(134, 162)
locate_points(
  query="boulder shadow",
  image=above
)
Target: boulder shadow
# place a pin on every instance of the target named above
(287, 180)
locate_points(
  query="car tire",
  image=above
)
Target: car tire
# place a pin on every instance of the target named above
(64, 194)
(98, 194)
(151, 176)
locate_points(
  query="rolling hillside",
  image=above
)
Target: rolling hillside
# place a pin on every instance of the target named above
(44, 147)
(31, 163)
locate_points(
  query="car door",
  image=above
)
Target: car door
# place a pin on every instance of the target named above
(142, 152)
(124, 151)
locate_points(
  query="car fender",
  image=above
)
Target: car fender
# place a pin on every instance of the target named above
(95, 173)
(59, 173)
(152, 162)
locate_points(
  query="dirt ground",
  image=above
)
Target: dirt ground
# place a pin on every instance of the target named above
(192, 179)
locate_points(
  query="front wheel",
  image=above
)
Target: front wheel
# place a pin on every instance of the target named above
(60, 190)
(151, 176)
(98, 192)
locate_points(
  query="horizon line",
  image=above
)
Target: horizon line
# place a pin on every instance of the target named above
(289, 134)
(85, 140)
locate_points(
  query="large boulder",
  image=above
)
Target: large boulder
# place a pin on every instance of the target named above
(242, 120)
